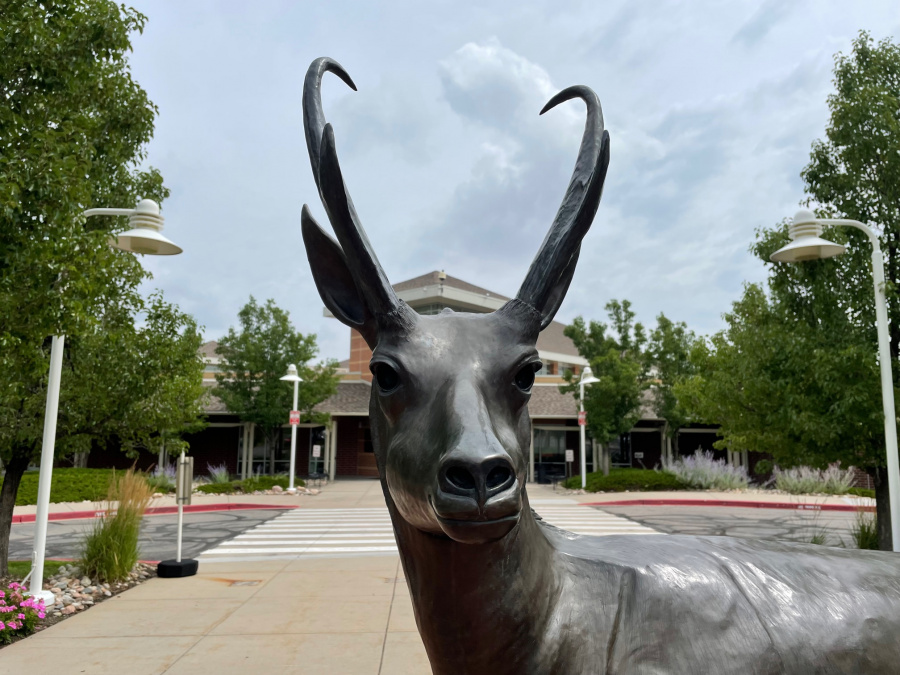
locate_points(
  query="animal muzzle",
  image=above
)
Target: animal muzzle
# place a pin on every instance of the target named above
(477, 498)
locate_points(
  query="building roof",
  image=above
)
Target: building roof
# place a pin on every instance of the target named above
(351, 398)
(434, 279)
(547, 401)
(208, 350)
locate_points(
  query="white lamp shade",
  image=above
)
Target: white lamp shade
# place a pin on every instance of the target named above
(145, 235)
(587, 376)
(144, 240)
(807, 248)
(291, 375)
(806, 241)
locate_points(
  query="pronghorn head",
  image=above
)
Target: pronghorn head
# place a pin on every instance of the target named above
(450, 393)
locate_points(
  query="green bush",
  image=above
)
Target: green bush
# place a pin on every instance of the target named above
(862, 492)
(628, 480)
(67, 485)
(217, 488)
(110, 550)
(249, 485)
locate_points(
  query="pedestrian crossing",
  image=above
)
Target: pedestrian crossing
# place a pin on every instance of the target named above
(368, 531)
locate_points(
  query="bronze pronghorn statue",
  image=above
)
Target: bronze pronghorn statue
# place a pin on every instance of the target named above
(496, 591)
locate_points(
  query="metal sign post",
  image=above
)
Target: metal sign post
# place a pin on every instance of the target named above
(184, 485)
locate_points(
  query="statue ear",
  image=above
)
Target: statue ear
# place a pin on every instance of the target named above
(336, 286)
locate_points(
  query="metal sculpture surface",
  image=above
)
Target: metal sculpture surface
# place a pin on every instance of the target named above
(495, 589)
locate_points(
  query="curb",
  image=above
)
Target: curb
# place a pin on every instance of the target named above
(731, 503)
(156, 511)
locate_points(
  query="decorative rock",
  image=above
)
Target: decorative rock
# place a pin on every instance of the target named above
(85, 581)
(277, 489)
(69, 610)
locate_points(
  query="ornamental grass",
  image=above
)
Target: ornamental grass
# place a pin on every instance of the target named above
(701, 471)
(110, 549)
(807, 480)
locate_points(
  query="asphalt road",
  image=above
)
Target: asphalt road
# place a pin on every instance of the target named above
(785, 524)
(203, 531)
(158, 534)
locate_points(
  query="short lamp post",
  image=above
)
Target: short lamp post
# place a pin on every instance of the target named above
(587, 377)
(807, 244)
(143, 237)
(294, 420)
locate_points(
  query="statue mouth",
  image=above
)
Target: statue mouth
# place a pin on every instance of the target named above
(470, 531)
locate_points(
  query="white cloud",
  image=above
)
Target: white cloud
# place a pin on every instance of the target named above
(711, 107)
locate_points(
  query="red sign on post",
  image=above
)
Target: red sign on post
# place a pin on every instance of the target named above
(295, 417)
(582, 418)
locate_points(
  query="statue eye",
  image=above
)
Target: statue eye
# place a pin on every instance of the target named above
(386, 377)
(525, 376)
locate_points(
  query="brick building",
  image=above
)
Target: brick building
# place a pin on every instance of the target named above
(344, 447)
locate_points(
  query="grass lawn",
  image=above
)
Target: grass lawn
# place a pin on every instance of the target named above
(67, 485)
(628, 480)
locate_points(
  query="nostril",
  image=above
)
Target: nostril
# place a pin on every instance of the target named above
(460, 478)
(498, 477)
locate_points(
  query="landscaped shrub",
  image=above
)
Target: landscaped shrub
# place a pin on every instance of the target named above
(18, 615)
(865, 530)
(218, 473)
(862, 492)
(806, 480)
(163, 478)
(249, 485)
(700, 470)
(66, 485)
(110, 549)
(217, 488)
(627, 480)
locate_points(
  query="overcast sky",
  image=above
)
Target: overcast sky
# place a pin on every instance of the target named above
(711, 107)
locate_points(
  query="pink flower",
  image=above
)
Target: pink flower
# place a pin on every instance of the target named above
(21, 616)
(2, 625)
(41, 615)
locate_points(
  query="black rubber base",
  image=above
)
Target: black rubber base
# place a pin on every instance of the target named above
(171, 569)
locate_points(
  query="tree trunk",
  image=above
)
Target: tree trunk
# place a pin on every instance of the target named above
(883, 509)
(15, 468)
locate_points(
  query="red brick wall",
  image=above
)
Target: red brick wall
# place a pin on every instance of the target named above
(348, 433)
(360, 355)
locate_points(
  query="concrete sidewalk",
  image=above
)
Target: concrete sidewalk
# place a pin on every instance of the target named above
(312, 615)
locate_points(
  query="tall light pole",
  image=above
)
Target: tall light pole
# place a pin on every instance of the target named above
(587, 377)
(144, 237)
(807, 244)
(294, 420)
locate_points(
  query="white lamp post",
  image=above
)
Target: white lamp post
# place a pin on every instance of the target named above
(144, 237)
(587, 377)
(295, 420)
(807, 244)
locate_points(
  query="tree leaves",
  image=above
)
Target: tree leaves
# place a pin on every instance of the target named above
(257, 355)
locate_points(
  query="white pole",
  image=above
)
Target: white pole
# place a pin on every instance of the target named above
(581, 425)
(291, 487)
(180, 514)
(887, 394)
(46, 474)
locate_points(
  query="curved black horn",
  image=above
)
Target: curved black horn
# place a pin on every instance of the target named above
(361, 259)
(552, 268)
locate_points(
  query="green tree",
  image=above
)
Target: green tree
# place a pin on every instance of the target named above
(73, 131)
(613, 404)
(795, 372)
(668, 362)
(256, 356)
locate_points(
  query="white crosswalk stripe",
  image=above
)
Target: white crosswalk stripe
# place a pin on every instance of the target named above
(368, 531)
